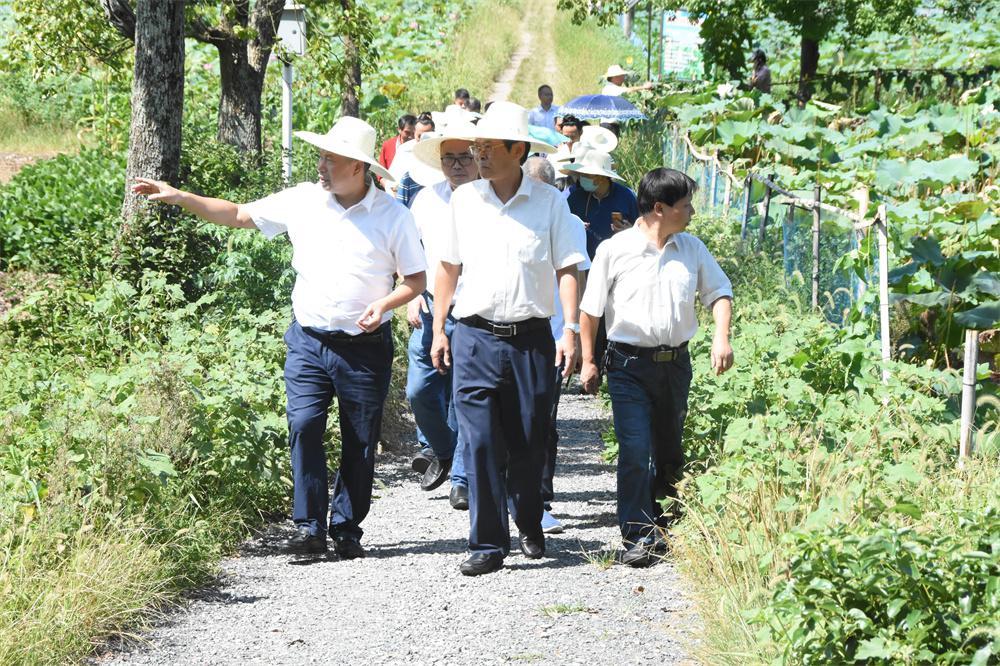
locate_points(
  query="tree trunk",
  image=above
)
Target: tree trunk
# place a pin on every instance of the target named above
(349, 102)
(239, 101)
(628, 19)
(808, 64)
(157, 99)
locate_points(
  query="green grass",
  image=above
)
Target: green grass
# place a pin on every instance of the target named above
(555, 610)
(18, 135)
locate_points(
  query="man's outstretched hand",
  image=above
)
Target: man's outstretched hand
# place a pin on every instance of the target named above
(156, 190)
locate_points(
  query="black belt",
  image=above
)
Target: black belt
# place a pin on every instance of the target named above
(506, 330)
(342, 338)
(661, 354)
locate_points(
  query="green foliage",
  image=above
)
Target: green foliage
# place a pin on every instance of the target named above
(893, 595)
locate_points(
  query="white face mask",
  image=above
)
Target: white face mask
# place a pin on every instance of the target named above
(588, 184)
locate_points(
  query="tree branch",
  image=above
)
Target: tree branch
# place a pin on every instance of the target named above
(121, 16)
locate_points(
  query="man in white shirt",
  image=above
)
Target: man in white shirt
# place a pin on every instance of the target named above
(512, 240)
(644, 280)
(544, 115)
(349, 239)
(428, 391)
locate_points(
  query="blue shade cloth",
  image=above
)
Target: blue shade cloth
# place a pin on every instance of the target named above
(596, 213)
(407, 189)
(606, 107)
(546, 135)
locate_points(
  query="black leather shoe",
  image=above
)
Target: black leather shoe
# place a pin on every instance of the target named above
(481, 563)
(348, 547)
(422, 461)
(304, 543)
(532, 547)
(436, 474)
(459, 498)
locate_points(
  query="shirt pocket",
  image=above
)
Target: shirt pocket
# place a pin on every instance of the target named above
(531, 248)
(683, 285)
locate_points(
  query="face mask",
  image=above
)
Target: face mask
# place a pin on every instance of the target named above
(588, 184)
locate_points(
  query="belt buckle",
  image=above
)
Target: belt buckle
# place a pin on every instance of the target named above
(663, 356)
(504, 330)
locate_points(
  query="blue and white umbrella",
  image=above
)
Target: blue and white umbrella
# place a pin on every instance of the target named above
(606, 107)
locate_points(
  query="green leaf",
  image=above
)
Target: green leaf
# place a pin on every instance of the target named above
(908, 509)
(981, 317)
(902, 472)
(873, 648)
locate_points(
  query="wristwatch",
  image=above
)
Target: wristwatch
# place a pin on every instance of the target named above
(573, 327)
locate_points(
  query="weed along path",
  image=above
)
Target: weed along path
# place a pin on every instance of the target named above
(406, 601)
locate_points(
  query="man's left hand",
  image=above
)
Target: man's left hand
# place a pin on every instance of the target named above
(372, 317)
(722, 355)
(566, 353)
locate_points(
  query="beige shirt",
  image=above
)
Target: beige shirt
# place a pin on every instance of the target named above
(509, 251)
(647, 295)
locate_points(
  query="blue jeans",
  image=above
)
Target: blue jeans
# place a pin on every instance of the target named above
(649, 402)
(317, 369)
(503, 400)
(429, 393)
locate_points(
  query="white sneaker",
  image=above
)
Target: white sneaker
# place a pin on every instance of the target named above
(550, 525)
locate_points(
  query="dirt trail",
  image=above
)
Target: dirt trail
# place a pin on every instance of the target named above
(11, 163)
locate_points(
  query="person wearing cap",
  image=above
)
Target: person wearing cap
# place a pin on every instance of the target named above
(349, 240)
(605, 206)
(406, 128)
(761, 77)
(645, 281)
(540, 168)
(544, 115)
(615, 77)
(511, 238)
(428, 391)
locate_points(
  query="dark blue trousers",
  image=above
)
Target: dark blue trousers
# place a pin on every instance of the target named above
(316, 369)
(649, 401)
(503, 401)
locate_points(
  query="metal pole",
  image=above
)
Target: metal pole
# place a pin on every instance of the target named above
(714, 179)
(966, 443)
(815, 271)
(286, 121)
(883, 288)
(747, 186)
(763, 220)
(649, 39)
(662, 21)
(727, 196)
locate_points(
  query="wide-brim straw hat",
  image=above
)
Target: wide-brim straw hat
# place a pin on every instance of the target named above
(599, 138)
(593, 163)
(616, 70)
(506, 121)
(350, 137)
(428, 151)
(452, 113)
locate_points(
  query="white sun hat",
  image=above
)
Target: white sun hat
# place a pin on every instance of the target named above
(506, 121)
(599, 138)
(452, 113)
(350, 137)
(594, 163)
(616, 70)
(428, 151)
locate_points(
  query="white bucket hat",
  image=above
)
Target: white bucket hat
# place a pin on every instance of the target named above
(616, 70)
(594, 163)
(599, 138)
(452, 113)
(506, 121)
(350, 137)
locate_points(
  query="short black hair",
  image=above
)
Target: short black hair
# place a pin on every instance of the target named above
(544, 86)
(573, 121)
(462, 93)
(527, 149)
(666, 186)
(406, 120)
(759, 55)
(426, 118)
(474, 105)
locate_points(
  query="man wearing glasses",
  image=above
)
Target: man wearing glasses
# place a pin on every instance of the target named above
(511, 238)
(428, 391)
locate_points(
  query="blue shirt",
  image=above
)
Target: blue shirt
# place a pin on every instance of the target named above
(406, 190)
(596, 213)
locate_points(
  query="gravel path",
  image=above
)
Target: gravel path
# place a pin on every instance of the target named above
(407, 603)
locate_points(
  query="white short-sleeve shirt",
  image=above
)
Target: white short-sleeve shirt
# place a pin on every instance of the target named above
(431, 209)
(509, 251)
(343, 259)
(647, 295)
(580, 236)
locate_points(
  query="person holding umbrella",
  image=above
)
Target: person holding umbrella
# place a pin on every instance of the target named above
(615, 77)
